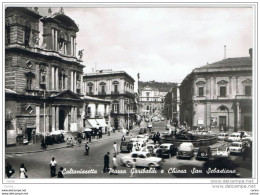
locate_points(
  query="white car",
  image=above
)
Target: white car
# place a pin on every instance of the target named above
(234, 137)
(223, 152)
(135, 141)
(223, 136)
(236, 147)
(145, 137)
(143, 159)
(247, 138)
(151, 148)
(150, 125)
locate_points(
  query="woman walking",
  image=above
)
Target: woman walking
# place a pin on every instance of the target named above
(23, 172)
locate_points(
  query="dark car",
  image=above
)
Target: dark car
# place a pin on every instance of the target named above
(143, 131)
(126, 146)
(204, 153)
(168, 150)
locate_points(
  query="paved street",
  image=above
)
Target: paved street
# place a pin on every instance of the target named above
(74, 158)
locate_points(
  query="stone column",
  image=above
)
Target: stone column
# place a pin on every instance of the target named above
(57, 78)
(75, 82)
(37, 111)
(238, 115)
(71, 81)
(72, 115)
(66, 122)
(66, 82)
(56, 40)
(57, 118)
(76, 114)
(53, 116)
(62, 82)
(81, 84)
(52, 78)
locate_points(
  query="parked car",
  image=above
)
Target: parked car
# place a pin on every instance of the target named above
(143, 159)
(126, 146)
(223, 136)
(247, 138)
(142, 131)
(234, 137)
(151, 148)
(223, 152)
(135, 141)
(186, 149)
(143, 136)
(168, 150)
(150, 125)
(236, 147)
(204, 153)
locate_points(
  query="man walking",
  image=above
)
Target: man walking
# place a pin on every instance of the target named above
(115, 148)
(87, 148)
(115, 164)
(53, 165)
(106, 163)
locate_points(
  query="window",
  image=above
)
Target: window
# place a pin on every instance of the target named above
(103, 88)
(147, 93)
(29, 83)
(201, 91)
(90, 89)
(223, 91)
(147, 99)
(248, 90)
(115, 106)
(89, 111)
(116, 88)
(147, 108)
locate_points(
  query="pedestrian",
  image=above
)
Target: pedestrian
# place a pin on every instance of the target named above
(60, 174)
(87, 149)
(245, 151)
(53, 165)
(100, 134)
(106, 163)
(93, 134)
(115, 148)
(9, 170)
(123, 138)
(154, 138)
(23, 172)
(133, 168)
(115, 164)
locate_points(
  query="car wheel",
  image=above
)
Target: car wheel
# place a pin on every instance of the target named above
(128, 164)
(151, 165)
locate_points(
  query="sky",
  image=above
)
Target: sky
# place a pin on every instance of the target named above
(162, 44)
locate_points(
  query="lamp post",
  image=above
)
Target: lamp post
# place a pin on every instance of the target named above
(44, 126)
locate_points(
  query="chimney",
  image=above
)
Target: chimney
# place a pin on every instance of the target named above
(250, 52)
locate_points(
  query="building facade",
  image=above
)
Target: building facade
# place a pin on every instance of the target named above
(152, 100)
(219, 95)
(43, 83)
(117, 87)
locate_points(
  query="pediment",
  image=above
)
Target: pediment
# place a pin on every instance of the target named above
(222, 82)
(201, 83)
(29, 75)
(67, 95)
(247, 81)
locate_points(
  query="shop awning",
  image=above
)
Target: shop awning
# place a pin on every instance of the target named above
(93, 123)
(101, 122)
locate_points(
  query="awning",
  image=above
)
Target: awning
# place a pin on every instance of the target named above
(93, 123)
(88, 125)
(101, 122)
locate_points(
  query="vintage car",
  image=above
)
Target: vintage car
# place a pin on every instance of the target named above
(135, 141)
(234, 137)
(143, 159)
(151, 148)
(144, 136)
(223, 152)
(204, 153)
(247, 138)
(168, 150)
(223, 136)
(150, 125)
(185, 149)
(126, 146)
(142, 131)
(236, 147)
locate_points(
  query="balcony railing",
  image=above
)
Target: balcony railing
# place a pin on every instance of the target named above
(102, 93)
(89, 93)
(244, 97)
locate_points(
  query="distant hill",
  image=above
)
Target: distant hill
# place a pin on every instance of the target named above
(162, 86)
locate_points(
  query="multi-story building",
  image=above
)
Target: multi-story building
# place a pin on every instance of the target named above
(219, 95)
(118, 87)
(152, 100)
(43, 83)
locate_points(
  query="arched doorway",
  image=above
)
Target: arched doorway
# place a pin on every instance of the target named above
(223, 118)
(61, 119)
(116, 123)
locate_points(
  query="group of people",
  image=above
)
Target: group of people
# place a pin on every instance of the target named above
(156, 137)
(106, 163)
(10, 171)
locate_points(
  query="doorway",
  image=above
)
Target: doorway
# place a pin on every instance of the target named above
(222, 122)
(116, 123)
(248, 123)
(61, 119)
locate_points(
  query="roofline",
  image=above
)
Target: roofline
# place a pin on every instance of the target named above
(114, 73)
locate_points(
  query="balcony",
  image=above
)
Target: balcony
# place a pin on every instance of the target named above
(132, 95)
(244, 97)
(102, 93)
(115, 92)
(90, 93)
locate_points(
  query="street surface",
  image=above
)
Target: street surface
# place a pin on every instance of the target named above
(73, 159)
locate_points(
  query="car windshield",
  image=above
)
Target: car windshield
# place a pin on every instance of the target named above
(139, 136)
(234, 135)
(236, 144)
(164, 147)
(222, 149)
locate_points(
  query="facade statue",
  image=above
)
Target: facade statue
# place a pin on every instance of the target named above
(80, 53)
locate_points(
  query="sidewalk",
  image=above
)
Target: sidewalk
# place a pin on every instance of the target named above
(33, 148)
